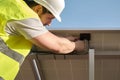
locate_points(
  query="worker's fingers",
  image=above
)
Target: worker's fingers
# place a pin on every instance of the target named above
(72, 38)
(81, 47)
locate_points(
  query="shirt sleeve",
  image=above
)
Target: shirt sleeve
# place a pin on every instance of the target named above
(29, 28)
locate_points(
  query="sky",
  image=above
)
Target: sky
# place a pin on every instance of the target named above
(89, 15)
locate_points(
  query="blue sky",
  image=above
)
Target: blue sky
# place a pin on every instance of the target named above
(89, 15)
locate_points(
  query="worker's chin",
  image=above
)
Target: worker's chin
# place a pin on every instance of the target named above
(45, 24)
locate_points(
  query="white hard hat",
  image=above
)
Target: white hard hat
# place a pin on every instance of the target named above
(54, 6)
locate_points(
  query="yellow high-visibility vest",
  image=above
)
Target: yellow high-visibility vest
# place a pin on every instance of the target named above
(13, 10)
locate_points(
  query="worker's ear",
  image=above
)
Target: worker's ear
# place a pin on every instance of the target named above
(38, 9)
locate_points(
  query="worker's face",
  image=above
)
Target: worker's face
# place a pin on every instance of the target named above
(46, 18)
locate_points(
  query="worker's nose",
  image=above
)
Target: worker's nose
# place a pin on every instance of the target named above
(49, 24)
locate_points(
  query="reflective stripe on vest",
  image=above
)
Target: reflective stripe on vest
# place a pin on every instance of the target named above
(1, 78)
(12, 54)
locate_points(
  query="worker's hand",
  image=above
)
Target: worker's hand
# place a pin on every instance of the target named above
(72, 38)
(81, 47)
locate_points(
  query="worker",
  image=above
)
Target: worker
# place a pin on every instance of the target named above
(22, 25)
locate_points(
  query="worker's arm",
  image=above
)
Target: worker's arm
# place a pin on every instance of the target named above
(34, 31)
(54, 43)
